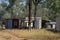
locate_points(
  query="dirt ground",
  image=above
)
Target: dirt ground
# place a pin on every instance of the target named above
(8, 36)
(1, 38)
(28, 35)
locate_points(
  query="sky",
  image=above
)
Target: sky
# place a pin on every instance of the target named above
(8, 2)
(0, 1)
(4, 1)
(23, 2)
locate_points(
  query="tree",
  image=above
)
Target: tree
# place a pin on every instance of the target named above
(54, 7)
(36, 2)
(3, 5)
(11, 3)
(30, 6)
(17, 9)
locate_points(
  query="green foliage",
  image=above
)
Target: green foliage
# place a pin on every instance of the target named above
(19, 9)
(54, 7)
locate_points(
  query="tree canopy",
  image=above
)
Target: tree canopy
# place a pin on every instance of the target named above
(19, 8)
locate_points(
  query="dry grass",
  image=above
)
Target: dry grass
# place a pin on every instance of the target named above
(41, 34)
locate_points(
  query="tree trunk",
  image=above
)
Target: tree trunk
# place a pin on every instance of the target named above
(35, 14)
(35, 11)
(30, 7)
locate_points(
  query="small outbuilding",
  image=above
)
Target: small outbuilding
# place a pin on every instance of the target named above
(22, 23)
(12, 23)
(51, 25)
(37, 24)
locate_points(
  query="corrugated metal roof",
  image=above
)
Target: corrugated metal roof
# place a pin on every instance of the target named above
(52, 22)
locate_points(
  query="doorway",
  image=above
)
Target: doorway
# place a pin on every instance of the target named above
(15, 23)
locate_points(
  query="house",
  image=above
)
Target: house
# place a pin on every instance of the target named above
(23, 23)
